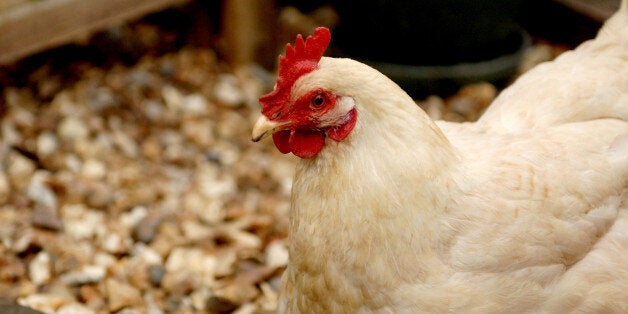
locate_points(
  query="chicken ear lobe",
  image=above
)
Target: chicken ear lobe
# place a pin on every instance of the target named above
(340, 132)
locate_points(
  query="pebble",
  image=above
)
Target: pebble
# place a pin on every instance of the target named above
(5, 187)
(156, 274)
(173, 97)
(39, 269)
(146, 254)
(47, 218)
(121, 295)
(47, 144)
(74, 308)
(20, 169)
(10, 134)
(72, 128)
(228, 92)
(276, 254)
(114, 243)
(133, 217)
(92, 296)
(193, 261)
(39, 192)
(81, 222)
(84, 275)
(45, 302)
(94, 169)
(147, 227)
(194, 104)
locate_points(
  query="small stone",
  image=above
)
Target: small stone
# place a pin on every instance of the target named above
(23, 240)
(5, 187)
(200, 132)
(246, 308)
(180, 283)
(81, 222)
(196, 231)
(47, 144)
(239, 292)
(39, 269)
(73, 163)
(20, 169)
(192, 261)
(227, 91)
(86, 274)
(153, 110)
(173, 98)
(133, 217)
(199, 298)
(104, 259)
(137, 275)
(146, 254)
(166, 239)
(242, 239)
(47, 218)
(92, 296)
(126, 144)
(219, 305)
(39, 192)
(225, 263)
(47, 303)
(152, 307)
(156, 274)
(128, 311)
(209, 210)
(146, 229)
(101, 99)
(194, 104)
(121, 295)
(72, 129)
(115, 244)
(276, 254)
(94, 169)
(74, 308)
(270, 296)
(151, 149)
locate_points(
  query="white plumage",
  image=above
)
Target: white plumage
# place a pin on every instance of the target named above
(525, 210)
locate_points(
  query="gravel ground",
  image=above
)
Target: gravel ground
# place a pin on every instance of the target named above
(134, 187)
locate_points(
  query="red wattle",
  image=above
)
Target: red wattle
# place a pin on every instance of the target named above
(306, 144)
(281, 140)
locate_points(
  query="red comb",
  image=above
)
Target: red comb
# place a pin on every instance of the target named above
(299, 60)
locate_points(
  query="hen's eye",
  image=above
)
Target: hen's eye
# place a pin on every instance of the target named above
(318, 101)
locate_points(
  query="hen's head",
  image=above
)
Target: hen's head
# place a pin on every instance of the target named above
(301, 119)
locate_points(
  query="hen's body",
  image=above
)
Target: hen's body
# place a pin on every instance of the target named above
(523, 211)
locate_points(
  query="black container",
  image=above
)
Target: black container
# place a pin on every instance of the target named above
(432, 46)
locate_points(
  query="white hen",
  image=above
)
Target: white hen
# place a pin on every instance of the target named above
(525, 210)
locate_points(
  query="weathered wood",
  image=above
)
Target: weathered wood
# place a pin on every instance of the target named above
(34, 26)
(248, 31)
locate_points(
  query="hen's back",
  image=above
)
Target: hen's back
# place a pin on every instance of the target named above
(590, 82)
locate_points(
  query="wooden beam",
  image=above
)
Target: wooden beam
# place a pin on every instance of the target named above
(35, 26)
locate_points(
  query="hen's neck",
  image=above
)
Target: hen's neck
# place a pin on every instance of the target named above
(369, 200)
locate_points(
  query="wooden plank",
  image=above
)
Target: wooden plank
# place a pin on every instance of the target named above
(35, 26)
(598, 10)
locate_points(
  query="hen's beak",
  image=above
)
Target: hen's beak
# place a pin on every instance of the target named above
(264, 127)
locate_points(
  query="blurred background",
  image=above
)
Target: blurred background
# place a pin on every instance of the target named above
(128, 181)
